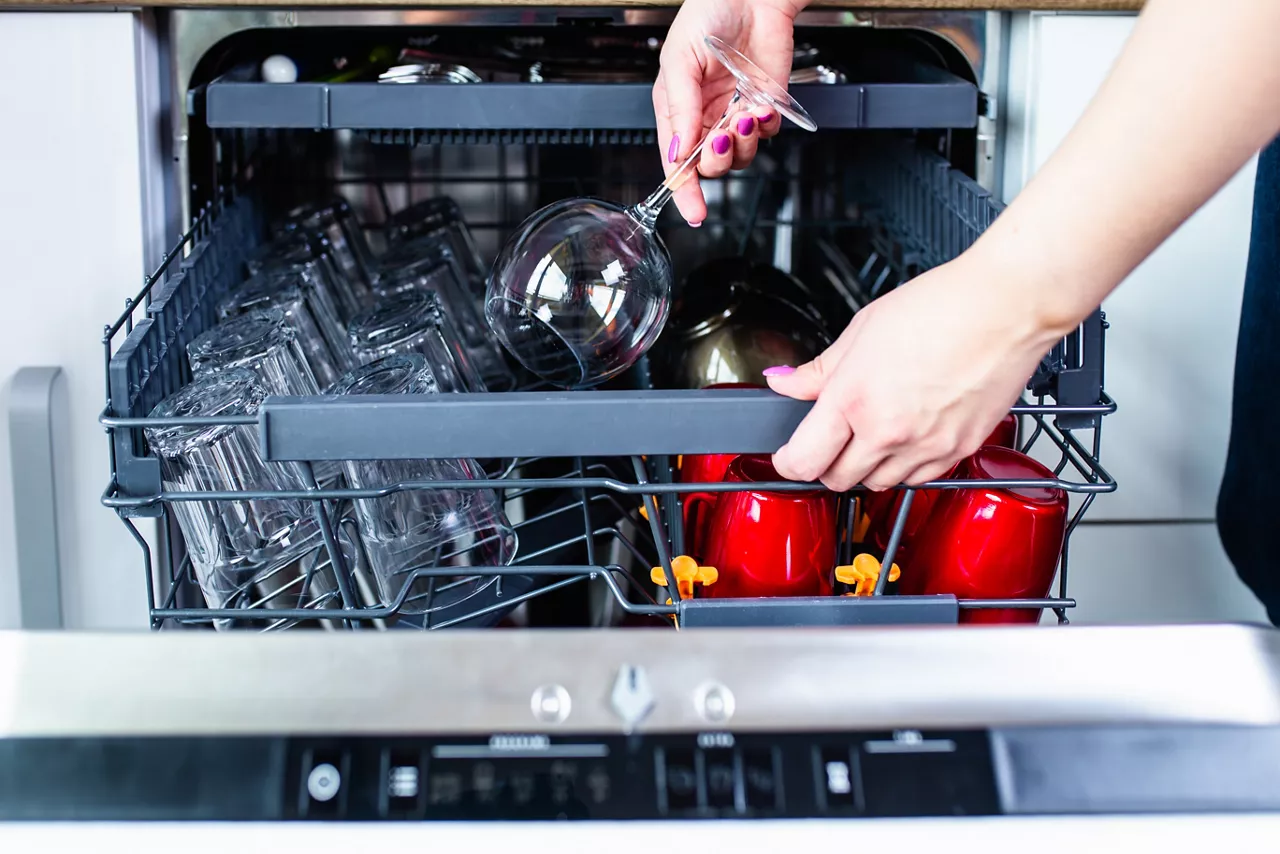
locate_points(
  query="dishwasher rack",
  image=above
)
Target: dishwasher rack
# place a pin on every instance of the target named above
(588, 474)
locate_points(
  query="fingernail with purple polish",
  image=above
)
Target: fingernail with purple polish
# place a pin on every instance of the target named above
(674, 148)
(779, 371)
(720, 145)
(746, 125)
(697, 224)
(765, 119)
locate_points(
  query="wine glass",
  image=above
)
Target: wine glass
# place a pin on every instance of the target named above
(582, 287)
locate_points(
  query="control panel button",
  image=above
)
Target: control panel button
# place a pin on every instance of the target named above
(760, 779)
(722, 779)
(404, 783)
(836, 778)
(324, 784)
(681, 778)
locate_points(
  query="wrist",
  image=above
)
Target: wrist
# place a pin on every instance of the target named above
(1029, 305)
(1040, 302)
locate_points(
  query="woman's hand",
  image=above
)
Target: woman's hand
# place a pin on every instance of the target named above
(693, 89)
(916, 382)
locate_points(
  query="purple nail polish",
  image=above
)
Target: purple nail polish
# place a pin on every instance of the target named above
(746, 125)
(778, 371)
(696, 224)
(720, 145)
(765, 119)
(674, 148)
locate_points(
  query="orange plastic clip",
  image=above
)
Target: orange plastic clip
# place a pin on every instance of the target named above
(863, 575)
(687, 573)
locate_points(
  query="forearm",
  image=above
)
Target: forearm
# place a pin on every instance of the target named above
(1194, 94)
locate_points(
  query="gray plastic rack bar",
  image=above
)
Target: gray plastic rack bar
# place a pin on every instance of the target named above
(937, 100)
(527, 424)
(819, 611)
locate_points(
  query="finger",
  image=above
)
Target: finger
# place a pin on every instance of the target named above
(745, 139)
(768, 122)
(892, 470)
(661, 114)
(689, 199)
(933, 470)
(681, 77)
(807, 381)
(846, 470)
(815, 444)
(717, 155)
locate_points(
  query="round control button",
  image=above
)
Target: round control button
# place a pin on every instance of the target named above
(323, 782)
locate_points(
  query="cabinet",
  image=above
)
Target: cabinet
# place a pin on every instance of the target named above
(1170, 355)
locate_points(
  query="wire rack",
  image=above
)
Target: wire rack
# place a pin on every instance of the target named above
(597, 515)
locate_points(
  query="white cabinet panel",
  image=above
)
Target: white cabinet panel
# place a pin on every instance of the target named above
(71, 248)
(1171, 347)
(1155, 573)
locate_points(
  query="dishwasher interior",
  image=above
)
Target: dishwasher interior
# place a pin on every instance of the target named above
(595, 503)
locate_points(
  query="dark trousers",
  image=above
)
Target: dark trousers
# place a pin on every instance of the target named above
(1249, 501)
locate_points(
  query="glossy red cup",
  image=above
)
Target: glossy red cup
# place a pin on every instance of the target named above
(703, 468)
(882, 507)
(768, 543)
(991, 543)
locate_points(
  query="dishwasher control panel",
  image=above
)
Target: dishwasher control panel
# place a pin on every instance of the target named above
(1086, 769)
(501, 777)
(708, 775)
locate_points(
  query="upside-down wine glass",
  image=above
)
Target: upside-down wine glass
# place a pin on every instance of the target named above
(582, 287)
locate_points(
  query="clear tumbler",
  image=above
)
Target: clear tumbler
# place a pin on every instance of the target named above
(423, 528)
(307, 311)
(232, 544)
(335, 221)
(415, 322)
(429, 263)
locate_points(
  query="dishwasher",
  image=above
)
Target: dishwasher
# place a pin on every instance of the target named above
(586, 667)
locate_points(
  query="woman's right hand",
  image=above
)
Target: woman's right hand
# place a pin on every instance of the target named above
(693, 89)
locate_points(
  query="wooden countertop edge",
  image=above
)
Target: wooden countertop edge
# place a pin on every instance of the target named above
(1035, 5)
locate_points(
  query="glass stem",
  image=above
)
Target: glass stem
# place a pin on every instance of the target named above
(647, 211)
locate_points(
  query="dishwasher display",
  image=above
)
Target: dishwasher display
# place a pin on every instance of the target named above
(308, 404)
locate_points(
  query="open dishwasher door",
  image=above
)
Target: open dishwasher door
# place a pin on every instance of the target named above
(701, 728)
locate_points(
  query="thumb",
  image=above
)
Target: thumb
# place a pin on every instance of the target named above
(803, 383)
(807, 381)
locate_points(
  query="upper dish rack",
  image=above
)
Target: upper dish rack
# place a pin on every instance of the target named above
(615, 449)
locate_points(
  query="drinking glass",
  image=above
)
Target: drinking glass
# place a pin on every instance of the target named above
(262, 342)
(307, 311)
(440, 217)
(232, 544)
(350, 295)
(423, 528)
(335, 221)
(582, 288)
(429, 263)
(415, 322)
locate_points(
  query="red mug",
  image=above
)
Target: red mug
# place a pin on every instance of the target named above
(703, 468)
(991, 543)
(768, 543)
(882, 507)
